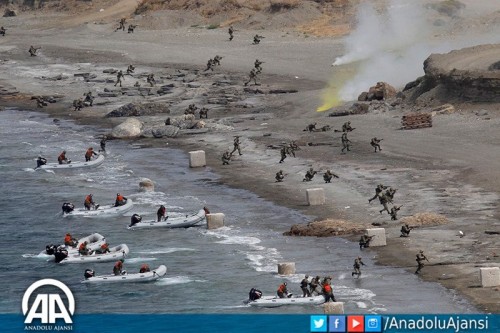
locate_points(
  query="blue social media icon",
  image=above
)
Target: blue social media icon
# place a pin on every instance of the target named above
(373, 323)
(336, 324)
(319, 323)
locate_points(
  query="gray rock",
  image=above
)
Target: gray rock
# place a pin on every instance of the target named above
(168, 131)
(194, 85)
(146, 185)
(81, 74)
(110, 71)
(130, 128)
(105, 94)
(139, 109)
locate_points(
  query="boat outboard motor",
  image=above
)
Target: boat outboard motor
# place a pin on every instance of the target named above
(136, 218)
(254, 294)
(67, 207)
(89, 273)
(60, 255)
(50, 249)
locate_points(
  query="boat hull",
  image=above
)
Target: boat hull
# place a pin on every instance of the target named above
(273, 301)
(183, 222)
(153, 275)
(116, 253)
(74, 165)
(105, 210)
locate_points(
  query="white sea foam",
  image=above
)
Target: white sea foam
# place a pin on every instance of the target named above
(353, 294)
(167, 250)
(29, 169)
(239, 240)
(177, 280)
(361, 305)
(140, 259)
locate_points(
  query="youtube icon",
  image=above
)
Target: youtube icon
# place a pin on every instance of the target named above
(355, 324)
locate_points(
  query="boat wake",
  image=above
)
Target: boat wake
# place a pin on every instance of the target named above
(166, 250)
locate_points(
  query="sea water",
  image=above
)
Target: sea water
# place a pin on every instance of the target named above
(209, 271)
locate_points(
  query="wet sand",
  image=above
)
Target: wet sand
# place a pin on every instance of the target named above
(449, 169)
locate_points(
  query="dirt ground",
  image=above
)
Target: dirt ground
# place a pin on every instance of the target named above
(450, 169)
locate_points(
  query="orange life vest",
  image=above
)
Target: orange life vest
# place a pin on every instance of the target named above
(328, 288)
(118, 265)
(82, 247)
(61, 157)
(104, 246)
(282, 288)
(119, 198)
(67, 239)
(144, 268)
(88, 199)
(89, 153)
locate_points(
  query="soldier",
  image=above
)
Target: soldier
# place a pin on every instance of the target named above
(210, 65)
(384, 200)
(2, 31)
(256, 39)
(226, 157)
(357, 267)
(191, 109)
(33, 50)
(137, 84)
(103, 144)
(405, 230)
(309, 175)
(204, 113)
(345, 142)
(303, 285)
(131, 28)
(420, 261)
(40, 102)
(364, 241)
(122, 24)
(283, 152)
(394, 212)
(290, 149)
(311, 127)
(130, 69)
(328, 175)
(89, 98)
(378, 190)
(375, 143)
(328, 291)
(252, 76)
(119, 77)
(236, 144)
(279, 176)
(347, 127)
(257, 64)
(216, 60)
(151, 79)
(313, 286)
(78, 104)
(230, 31)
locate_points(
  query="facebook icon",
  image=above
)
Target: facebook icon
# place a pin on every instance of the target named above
(336, 324)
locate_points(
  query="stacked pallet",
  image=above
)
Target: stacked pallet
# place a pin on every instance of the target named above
(416, 120)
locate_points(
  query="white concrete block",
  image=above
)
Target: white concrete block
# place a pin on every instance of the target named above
(286, 268)
(333, 308)
(490, 276)
(215, 220)
(315, 196)
(146, 185)
(197, 159)
(379, 239)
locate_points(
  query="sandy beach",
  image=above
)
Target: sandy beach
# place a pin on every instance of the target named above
(451, 168)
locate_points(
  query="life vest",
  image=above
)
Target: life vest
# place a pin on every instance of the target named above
(82, 247)
(89, 153)
(118, 265)
(61, 157)
(144, 268)
(104, 246)
(282, 288)
(327, 288)
(67, 239)
(119, 198)
(88, 199)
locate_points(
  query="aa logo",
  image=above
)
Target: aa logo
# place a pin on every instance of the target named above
(48, 307)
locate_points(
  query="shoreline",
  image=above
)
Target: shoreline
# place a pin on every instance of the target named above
(285, 116)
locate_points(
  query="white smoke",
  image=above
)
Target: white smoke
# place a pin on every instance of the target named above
(391, 46)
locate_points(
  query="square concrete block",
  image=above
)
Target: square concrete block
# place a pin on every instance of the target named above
(379, 239)
(286, 268)
(490, 276)
(215, 220)
(315, 196)
(197, 159)
(333, 308)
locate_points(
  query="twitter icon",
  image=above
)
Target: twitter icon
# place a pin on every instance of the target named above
(319, 323)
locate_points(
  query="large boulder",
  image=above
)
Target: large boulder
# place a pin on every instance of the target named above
(146, 185)
(380, 91)
(183, 122)
(139, 109)
(325, 228)
(130, 128)
(161, 131)
(9, 13)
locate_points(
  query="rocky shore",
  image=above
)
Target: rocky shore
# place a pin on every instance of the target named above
(446, 169)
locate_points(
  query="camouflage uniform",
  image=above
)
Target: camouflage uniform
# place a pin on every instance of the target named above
(405, 230)
(236, 145)
(119, 77)
(2, 31)
(252, 76)
(420, 261)
(357, 267)
(378, 190)
(394, 212)
(131, 28)
(257, 65)
(151, 80)
(279, 176)
(210, 65)
(303, 285)
(89, 98)
(130, 69)
(33, 50)
(375, 143)
(313, 286)
(230, 31)
(226, 157)
(78, 104)
(311, 127)
(309, 175)
(347, 127)
(256, 39)
(283, 152)
(328, 175)
(216, 60)
(345, 142)
(204, 113)
(364, 241)
(122, 24)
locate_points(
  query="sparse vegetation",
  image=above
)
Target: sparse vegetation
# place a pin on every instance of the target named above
(279, 5)
(213, 26)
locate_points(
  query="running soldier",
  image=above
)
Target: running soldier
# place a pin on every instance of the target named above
(236, 144)
(122, 24)
(210, 65)
(2, 31)
(231, 32)
(283, 152)
(420, 261)
(347, 127)
(357, 267)
(375, 143)
(252, 76)
(257, 39)
(217, 60)
(345, 142)
(394, 212)
(119, 77)
(378, 190)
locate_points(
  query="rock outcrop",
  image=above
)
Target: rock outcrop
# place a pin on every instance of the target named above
(380, 91)
(130, 128)
(325, 228)
(146, 185)
(139, 109)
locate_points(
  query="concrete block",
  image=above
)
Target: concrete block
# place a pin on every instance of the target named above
(197, 159)
(333, 308)
(490, 276)
(286, 268)
(379, 239)
(146, 185)
(315, 196)
(215, 220)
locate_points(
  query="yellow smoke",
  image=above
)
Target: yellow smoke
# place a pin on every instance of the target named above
(330, 96)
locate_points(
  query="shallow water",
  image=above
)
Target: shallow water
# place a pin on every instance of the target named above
(208, 271)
